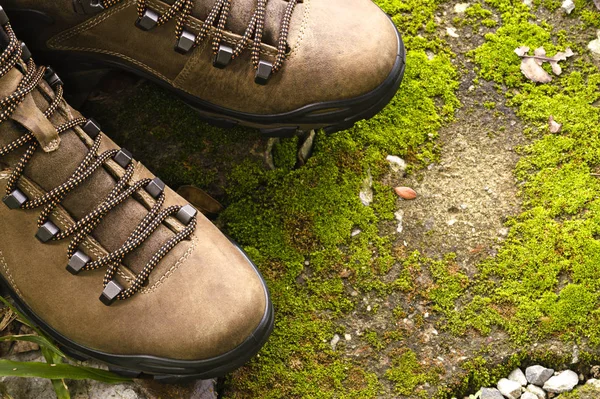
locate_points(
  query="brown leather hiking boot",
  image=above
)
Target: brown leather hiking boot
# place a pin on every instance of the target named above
(278, 65)
(82, 220)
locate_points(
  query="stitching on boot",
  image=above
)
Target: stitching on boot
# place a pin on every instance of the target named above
(3, 260)
(173, 269)
(89, 243)
(303, 28)
(189, 66)
(55, 42)
(94, 247)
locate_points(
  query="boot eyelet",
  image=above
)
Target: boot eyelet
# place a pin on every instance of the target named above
(52, 78)
(111, 293)
(148, 20)
(263, 72)
(123, 158)
(15, 200)
(186, 42)
(77, 262)
(88, 6)
(92, 128)
(223, 56)
(155, 188)
(186, 214)
(3, 17)
(25, 54)
(47, 232)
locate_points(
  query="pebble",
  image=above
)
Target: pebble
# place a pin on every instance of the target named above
(399, 215)
(518, 376)
(538, 375)
(406, 193)
(334, 341)
(396, 163)
(510, 389)
(594, 45)
(460, 8)
(537, 391)
(568, 6)
(563, 382)
(593, 382)
(528, 395)
(491, 393)
(347, 337)
(450, 31)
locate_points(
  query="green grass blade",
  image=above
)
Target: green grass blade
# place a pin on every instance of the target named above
(41, 341)
(60, 386)
(57, 372)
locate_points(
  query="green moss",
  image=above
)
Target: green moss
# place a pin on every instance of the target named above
(407, 374)
(543, 282)
(584, 392)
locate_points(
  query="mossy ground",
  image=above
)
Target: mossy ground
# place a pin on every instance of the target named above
(540, 288)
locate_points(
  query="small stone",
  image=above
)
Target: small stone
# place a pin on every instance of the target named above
(554, 126)
(347, 337)
(510, 389)
(538, 375)
(593, 382)
(528, 395)
(568, 6)
(356, 232)
(528, 3)
(563, 382)
(406, 193)
(594, 45)
(537, 391)
(460, 8)
(518, 376)
(334, 341)
(490, 393)
(396, 163)
(399, 214)
(450, 31)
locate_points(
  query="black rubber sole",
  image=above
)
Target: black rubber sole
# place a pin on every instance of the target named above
(332, 116)
(157, 368)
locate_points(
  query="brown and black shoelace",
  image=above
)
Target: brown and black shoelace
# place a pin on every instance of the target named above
(15, 55)
(215, 23)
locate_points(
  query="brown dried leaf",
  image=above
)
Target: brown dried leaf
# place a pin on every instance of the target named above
(539, 52)
(201, 200)
(533, 71)
(531, 65)
(554, 126)
(523, 50)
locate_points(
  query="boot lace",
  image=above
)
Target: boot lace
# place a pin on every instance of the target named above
(216, 20)
(12, 57)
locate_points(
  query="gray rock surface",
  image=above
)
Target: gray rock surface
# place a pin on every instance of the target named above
(534, 389)
(538, 375)
(528, 395)
(491, 393)
(510, 389)
(518, 376)
(563, 382)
